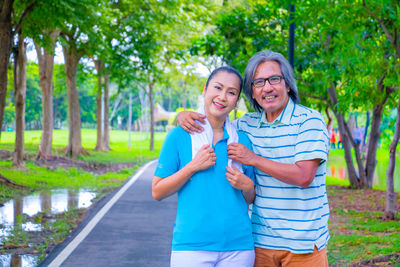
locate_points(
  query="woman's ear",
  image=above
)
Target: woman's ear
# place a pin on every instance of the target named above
(204, 90)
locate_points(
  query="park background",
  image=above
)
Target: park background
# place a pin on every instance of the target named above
(89, 88)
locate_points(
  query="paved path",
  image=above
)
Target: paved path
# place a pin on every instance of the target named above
(135, 230)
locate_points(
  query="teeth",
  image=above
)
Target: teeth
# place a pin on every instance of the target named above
(219, 105)
(269, 97)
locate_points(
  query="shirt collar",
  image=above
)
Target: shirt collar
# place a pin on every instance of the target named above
(283, 118)
(226, 135)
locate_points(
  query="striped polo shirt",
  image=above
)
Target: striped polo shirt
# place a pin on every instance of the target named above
(284, 216)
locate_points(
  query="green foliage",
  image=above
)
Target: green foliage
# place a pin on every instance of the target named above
(86, 85)
(7, 192)
(387, 128)
(241, 31)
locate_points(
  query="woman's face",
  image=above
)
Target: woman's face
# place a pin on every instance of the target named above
(221, 94)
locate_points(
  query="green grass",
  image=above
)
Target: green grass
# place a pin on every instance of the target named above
(39, 178)
(357, 229)
(336, 158)
(370, 237)
(120, 152)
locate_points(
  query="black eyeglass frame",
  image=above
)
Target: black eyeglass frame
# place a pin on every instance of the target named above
(267, 79)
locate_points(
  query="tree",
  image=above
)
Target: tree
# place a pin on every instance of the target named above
(242, 30)
(19, 96)
(390, 208)
(72, 55)
(386, 15)
(100, 145)
(154, 33)
(79, 36)
(46, 66)
(8, 29)
(340, 42)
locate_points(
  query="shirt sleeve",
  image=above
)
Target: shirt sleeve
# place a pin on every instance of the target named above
(312, 140)
(244, 140)
(168, 160)
(235, 124)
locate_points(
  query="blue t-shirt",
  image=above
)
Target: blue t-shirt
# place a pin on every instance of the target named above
(211, 215)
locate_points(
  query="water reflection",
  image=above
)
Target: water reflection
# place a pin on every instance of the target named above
(340, 171)
(57, 201)
(337, 171)
(18, 260)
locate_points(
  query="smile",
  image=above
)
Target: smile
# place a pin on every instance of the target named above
(219, 105)
(269, 98)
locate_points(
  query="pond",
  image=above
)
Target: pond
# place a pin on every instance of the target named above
(337, 168)
(53, 202)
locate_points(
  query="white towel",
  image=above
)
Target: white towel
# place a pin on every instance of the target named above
(206, 137)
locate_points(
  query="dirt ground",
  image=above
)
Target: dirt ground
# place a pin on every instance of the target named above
(55, 161)
(342, 198)
(92, 167)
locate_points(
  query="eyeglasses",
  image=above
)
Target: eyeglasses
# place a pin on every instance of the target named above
(258, 83)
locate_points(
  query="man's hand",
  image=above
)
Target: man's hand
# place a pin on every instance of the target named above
(204, 159)
(187, 120)
(241, 154)
(239, 180)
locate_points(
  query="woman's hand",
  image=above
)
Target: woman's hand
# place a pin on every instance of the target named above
(187, 120)
(241, 154)
(239, 180)
(204, 159)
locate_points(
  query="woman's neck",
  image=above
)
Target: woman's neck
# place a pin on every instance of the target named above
(217, 124)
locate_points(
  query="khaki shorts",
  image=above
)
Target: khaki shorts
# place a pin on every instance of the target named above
(269, 257)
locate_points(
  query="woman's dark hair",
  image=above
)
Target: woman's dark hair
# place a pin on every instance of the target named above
(227, 69)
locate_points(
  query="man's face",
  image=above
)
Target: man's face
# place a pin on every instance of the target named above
(272, 98)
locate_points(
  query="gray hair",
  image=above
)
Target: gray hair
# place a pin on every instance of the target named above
(286, 70)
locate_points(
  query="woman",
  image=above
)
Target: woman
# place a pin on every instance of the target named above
(212, 226)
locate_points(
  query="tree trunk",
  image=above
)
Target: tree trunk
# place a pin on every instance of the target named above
(6, 38)
(46, 66)
(330, 120)
(106, 105)
(99, 121)
(10, 183)
(373, 143)
(360, 164)
(19, 100)
(71, 59)
(346, 139)
(116, 106)
(151, 116)
(390, 209)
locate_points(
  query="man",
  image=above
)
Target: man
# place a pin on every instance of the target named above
(357, 135)
(290, 142)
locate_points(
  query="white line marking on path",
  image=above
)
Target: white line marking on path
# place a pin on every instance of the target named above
(62, 256)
